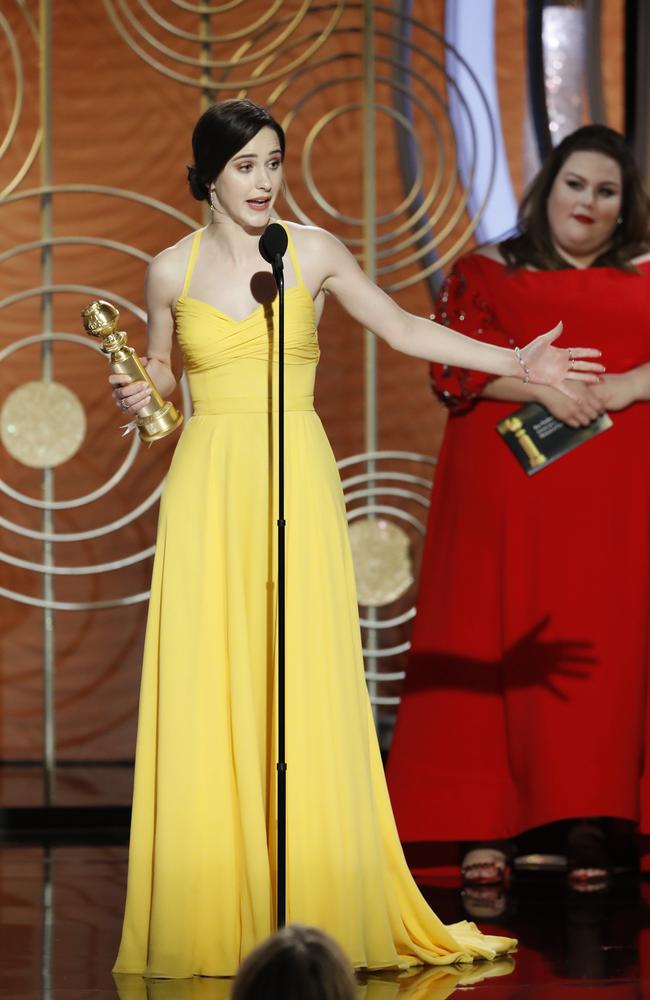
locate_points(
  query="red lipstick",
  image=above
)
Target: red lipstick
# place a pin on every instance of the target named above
(585, 219)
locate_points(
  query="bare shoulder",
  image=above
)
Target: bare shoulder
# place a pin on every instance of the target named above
(322, 255)
(166, 273)
(312, 239)
(168, 266)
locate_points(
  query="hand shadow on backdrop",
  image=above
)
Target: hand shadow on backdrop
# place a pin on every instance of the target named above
(531, 662)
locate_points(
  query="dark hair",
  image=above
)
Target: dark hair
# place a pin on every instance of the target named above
(297, 963)
(533, 244)
(219, 134)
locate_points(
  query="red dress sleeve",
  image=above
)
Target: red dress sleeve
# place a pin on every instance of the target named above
(465, 304)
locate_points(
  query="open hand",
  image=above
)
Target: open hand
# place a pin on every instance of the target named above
(548, 365)
(130, 396)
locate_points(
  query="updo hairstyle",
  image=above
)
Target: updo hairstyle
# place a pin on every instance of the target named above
(219, 134)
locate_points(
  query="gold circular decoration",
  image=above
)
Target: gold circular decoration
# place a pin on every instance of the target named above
(42, 424)
(248, 37)
(10, 39)
(444, 150)
(382, 561)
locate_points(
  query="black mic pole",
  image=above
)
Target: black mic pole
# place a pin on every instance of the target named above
(272, 246)
(278, 271)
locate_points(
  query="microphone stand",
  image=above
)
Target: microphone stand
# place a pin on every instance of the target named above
(272, 246)
(278, 274)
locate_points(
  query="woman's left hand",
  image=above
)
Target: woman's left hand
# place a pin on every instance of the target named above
(617, 391)
(548, 365)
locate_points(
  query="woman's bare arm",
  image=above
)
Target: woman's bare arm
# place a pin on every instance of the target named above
(422, 338)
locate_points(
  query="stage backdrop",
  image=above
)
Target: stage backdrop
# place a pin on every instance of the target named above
(392, 144)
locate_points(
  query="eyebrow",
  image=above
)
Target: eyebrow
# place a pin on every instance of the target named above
(253, 156)
(572, 173)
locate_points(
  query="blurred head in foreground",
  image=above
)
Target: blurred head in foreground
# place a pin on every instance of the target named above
(297, 963)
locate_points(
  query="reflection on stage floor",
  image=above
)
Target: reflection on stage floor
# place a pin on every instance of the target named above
(60, 913)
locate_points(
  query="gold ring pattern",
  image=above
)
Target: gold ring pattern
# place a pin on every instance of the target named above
(431, 223)
(31, 442)
(386, 497)
(232, 52)
(16, 59)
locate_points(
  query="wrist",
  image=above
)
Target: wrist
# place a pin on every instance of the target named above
(522, 371)
(541, 393)
(161, 376)
(639, 385)
(512, 368)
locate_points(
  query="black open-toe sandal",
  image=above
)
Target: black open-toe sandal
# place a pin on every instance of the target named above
(484, 866)
(588, 858)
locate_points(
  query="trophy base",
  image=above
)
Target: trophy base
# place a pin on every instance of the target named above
(165, 421)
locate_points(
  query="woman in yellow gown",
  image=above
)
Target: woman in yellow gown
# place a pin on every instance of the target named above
(201, 880)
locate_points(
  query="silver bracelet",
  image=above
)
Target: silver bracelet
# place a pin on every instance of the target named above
(525, 368)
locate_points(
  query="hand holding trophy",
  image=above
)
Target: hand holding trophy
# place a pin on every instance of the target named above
(158, 417)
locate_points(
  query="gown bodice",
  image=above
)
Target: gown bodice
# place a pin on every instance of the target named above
(232, 365)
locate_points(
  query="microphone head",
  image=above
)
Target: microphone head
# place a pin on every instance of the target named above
(273, 242)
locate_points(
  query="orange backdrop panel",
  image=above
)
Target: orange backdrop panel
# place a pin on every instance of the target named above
(119, 123)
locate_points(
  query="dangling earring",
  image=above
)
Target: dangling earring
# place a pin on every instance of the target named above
(213, 207)
(619, 220)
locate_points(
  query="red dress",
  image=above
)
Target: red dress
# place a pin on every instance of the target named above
(526, 695)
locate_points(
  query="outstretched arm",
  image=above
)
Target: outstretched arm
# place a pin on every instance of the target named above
(422, 338)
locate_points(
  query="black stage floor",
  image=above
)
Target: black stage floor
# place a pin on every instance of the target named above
(60, 912)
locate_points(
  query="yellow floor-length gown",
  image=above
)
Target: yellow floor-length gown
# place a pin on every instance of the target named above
(202, 853)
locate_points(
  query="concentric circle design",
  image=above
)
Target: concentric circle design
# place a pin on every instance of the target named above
(36, 436)
(232, 55)
(420, 231)
(42, 424)
(311, 62)
(387, 494)
(17, 101)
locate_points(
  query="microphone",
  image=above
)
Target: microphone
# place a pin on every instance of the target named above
(273, 245)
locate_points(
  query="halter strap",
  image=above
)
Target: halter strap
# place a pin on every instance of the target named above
(294, 256)
(192, 260)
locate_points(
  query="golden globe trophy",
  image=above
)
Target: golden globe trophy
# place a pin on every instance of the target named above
(159, 417)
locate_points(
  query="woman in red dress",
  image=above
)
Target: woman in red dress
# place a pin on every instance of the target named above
(526, 696)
